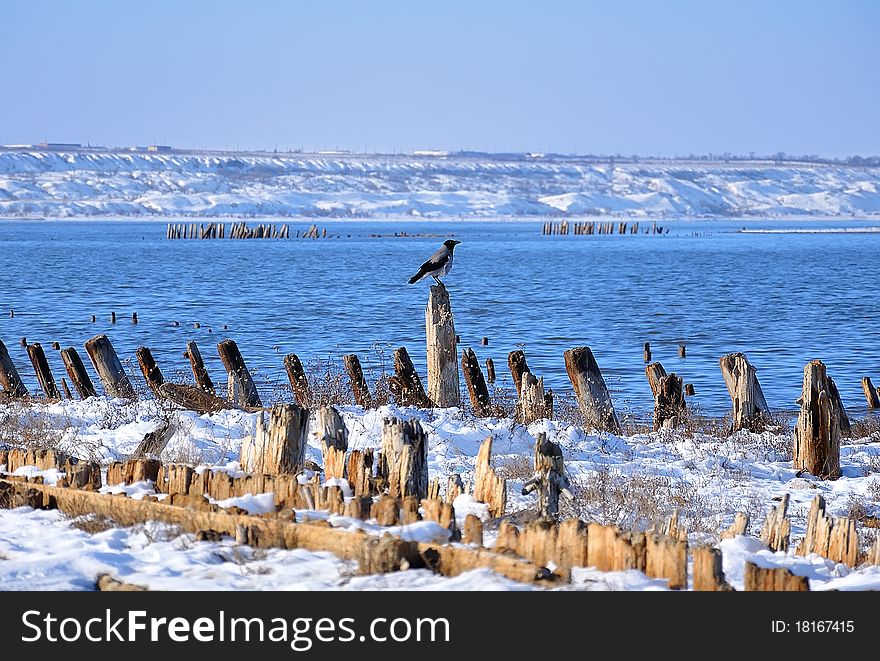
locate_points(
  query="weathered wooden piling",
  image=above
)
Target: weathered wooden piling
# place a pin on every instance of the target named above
(682, 351)
(359, 469)
(750, 410)
(488, 487)
(654, 372)
(647, 352)
(404, 460)
(443, 385)
(590, 390)
(516, 362)
(778, 579)
(299, 384)
(406, 385)
(490, 371)
(109, 368)
(359, 387)
(689, 389)
(708, 574)
(9, 378)
(134, 318)
(42, 370)
(837, 403)
(817, 433)
(532, 403)
(473, 531)
(200, 372)
(149, 368)
(333, 437)
(870, 393)
(549, 479)
(476, 384)
(66, 389)
(776, 531)
(77, 373)
(241, 388)
(279, 445)
(832, 537)
(669, 404)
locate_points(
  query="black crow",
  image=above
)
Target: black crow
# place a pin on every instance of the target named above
(440, 263)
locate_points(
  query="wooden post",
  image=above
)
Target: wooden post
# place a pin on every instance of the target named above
(66, 389)
(488, 487)
(777, 527)
(404, 460)
(333, 437)
(549, 479)
(870, 393)
(9, 378)
(360, 471)
(490, 371)
(109, 368)
(406, 384)
(516, 361)
(647, 352)
(242, 390)
(279, 445)
(44, 373)
(682, 351)
(476, 384)
(532, 403)
(654, 372)
(443, 388)
(77, 373)
(359, 385)
(298, 381)
(750, 410)
(832, 537)
(689, 389)
(669, 404)
(590, 390)
(837, 404)
(200, 373)
(817, 434)
(666, 557)
(779, 579)
(473, 531)
(149, 368)
(740, 526)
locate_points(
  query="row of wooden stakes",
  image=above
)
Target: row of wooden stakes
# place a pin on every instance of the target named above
(239, 230)
(551, 228)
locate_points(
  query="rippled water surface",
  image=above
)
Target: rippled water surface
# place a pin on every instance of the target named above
(783, 299)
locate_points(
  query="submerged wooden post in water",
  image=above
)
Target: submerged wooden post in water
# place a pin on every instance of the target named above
(817, 434)
(333, 437)
(443, 388)
(10, 381)
(279, 445)
(870, 393)
(647, 352)
(750, 410)
(590, 390)
(406, 384)
(44, 373)
(359, 387)
(77, 373)
(516, 361)
(298, 381)
(404, 461)
(490, 371)
(149, 368)
(109, 368)
(549, 479)
(200, 373)
(476, 384)
(242, 390)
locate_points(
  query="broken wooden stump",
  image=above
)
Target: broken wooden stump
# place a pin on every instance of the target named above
(488, 487)
(193, 398)
(106, 583)
(778, 579)
(404, 461)
(590, 390)
(77, 373)
(359, 387)
(837, 405)
(476, 384)
(739, 526)
(777, 527)
(870, 393)
(406, 386)
(817, 433)
(10, 380)
(532, 404)
(549, 479)
(133, 470)
(42, 370)
(333, 438)
(516, 362)
(109, 368)
(832, 537)
(359, 507)
(666, 557)
(200, 372)
(409, 510)
(654, 372)
(443, 388)
(646, 354)
(473, 531)
(708, 574)
(455, 487)
(490, 371)
(241, 388)
(279, 445)
(386, 511)
(149, 368)
(609, 549)
(154, 442)
(434, 509)
(669, 404)
(360, 472)
(750, 410)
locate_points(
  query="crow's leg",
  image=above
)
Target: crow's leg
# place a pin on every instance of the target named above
(437, 279)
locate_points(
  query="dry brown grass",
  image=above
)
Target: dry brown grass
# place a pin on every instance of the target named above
(866, 428)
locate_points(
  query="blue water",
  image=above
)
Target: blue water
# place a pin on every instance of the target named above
(783, 299)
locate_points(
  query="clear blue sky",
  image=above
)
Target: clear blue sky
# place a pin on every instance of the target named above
(664, 77)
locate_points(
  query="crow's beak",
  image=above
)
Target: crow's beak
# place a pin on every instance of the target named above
(456, 242)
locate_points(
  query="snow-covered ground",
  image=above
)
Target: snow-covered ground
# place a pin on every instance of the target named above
(56, 184)
(631, 480)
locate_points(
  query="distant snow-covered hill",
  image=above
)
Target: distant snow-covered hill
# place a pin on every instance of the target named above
(84, 184)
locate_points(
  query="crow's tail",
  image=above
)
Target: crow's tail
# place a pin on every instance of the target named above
(418, 276)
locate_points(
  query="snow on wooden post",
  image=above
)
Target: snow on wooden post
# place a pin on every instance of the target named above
(42, 370)
(9, 379)
(443, 388)
(532, 404)
(590, 390)
(333, 437)
(870, 393)
(549, 479)
(404, 460)
(654, 372)
(109, 368)
(298, 381)
(77, 373)
(488, 487)
(476, 384)
(406, 384)
(359, 386)
(669, 404)
(750, 410)
(516, 362)
(817, 433)
(242, 390)
(279, 445)
(200, 373)
(778, 579)
(149, 368)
